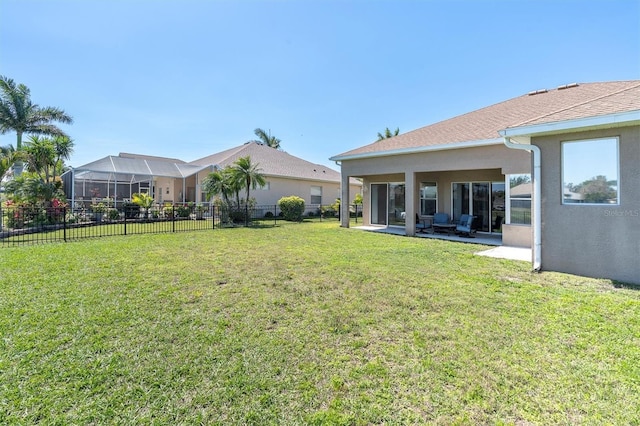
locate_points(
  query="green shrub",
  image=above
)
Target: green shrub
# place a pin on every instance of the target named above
(183, 211)
(131, 211)
(113, 214)
(238, 216)
(292, 208)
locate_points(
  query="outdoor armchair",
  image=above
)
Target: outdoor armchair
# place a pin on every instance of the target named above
(465, 225)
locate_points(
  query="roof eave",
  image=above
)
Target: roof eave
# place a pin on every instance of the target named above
(420, 149)
(627, 118)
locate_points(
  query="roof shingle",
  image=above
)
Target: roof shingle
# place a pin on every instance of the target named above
(273, 162)
(574, 102)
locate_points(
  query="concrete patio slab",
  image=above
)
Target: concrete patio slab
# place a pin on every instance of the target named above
(504, 252)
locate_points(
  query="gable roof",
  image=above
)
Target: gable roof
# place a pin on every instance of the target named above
(273, 162)
(570, 102)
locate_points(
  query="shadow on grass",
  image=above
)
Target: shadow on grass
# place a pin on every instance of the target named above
(627, 286)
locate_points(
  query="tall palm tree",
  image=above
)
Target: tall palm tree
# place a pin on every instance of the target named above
(388, 133)
(266, 138)
(19, 114)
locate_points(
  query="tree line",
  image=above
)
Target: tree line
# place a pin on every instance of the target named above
(38, 163)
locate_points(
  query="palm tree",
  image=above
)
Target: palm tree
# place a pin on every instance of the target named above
(40, 155)
(388, 133)
(249, 174)
(266, 138)
(144, 200)
(218, 183)
(63, 147)
(8, 156)
(19, 114)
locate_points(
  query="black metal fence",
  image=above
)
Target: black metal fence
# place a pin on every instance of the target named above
(29, 225)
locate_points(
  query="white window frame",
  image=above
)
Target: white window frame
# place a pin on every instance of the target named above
(311, 195)
(435, 184)
(265, 187)
(562, 180)
(508, 199)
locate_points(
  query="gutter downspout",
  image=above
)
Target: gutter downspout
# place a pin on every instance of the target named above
(537, 202)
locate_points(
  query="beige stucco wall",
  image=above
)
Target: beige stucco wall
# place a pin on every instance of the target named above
(592, 240)
(282, 187)
(162, 184)
(486, 157)
(517, 235)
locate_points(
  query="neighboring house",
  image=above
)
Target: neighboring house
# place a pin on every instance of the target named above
(171, 180)
(118, 177)
(558, 169)
(285, 175)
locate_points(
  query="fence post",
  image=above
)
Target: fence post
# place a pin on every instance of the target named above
(124, 208)
(173, 218)
(212, 210)
(275, 215)
(64, 224)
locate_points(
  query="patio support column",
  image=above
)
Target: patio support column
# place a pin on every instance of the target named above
(344, 200)
(409, 203)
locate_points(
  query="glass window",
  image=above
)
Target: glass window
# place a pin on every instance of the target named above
(265, 187)
(590, 172)
(428, 198)
(316, 195)
(520, 190)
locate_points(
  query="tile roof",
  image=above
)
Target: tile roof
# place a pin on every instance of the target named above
(564, 103)
(273, 162)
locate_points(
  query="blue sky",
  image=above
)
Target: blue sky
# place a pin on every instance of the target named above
(189, 78)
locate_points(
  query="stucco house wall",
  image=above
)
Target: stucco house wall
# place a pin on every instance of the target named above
(592, 240)
(280, 187)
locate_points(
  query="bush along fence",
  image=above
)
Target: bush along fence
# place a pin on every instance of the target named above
(32, 225)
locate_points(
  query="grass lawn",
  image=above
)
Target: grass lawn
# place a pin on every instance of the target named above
(307, 324)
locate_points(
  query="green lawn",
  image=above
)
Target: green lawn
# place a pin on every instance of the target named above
(307, 324)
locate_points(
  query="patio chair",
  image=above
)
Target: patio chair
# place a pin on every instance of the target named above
(421, 224)
(465, 226)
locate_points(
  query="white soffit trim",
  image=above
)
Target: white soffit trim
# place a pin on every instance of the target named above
(420, 149)
(589, 123)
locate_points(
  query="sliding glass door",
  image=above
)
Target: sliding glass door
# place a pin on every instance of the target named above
(388, 204)
(497, 206)
(378, 203)
(396, 204)
(475, 198)
(480, 205)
